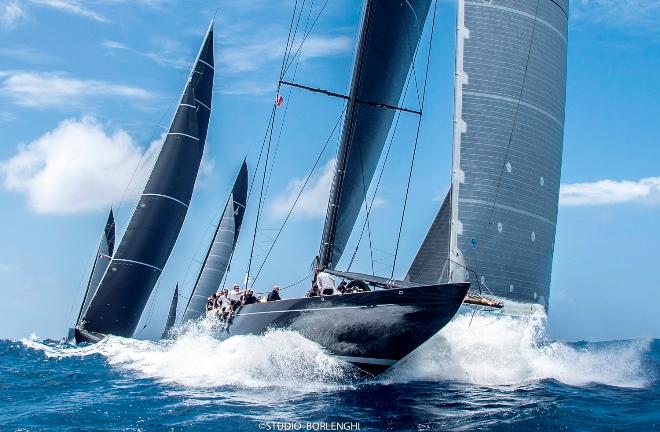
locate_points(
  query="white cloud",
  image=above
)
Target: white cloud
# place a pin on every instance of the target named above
(53, 89)
(11, 13)
(6, 117)
(26, 54)
(78, 167)
(313, 201)
(642, 13)
(72, 7)
(248, 88)
(167, 53)
(610, 192)
(241, 58)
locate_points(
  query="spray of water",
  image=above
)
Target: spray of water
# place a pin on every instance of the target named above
(487, 350)
(491, 349)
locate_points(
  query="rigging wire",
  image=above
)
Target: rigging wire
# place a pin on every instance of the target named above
(419, 124)
(309, 176)
(269, 137)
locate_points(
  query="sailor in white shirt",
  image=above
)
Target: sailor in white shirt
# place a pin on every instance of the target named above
(223, 301)
(236, 295)
(325, 282)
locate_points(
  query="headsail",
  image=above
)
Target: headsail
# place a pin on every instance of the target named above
(508, 137)
(221, 248)
(171, 316)
(389, 35)
(103, 255)
(154, 227)
(430, 265)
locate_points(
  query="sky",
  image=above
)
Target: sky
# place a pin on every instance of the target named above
(87, 90)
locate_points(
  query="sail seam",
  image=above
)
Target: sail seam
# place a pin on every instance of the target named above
(505, 207)
(185, 135)
(137, 262)
(166, 196)
(202, 104)
(187, 105)
(521, 13)
(512, 100)
(203, 62)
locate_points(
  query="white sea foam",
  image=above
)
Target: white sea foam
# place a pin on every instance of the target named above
(196, 357)
(492, 349)
(487, 350)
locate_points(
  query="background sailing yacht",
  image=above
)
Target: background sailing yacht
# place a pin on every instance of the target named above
(117, 304)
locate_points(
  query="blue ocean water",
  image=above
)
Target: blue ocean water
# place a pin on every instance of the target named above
(488, 373)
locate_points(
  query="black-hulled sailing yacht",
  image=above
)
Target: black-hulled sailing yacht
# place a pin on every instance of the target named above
(116, 306)
(101, 261)
(371, 329)
(219, 253)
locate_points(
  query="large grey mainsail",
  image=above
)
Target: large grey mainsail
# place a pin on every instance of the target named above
(221, 248)
(389, 35)
(103, 256)
(508, 137)
(154, 227)
(171, 315)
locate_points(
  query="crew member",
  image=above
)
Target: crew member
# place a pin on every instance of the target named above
(325, 282)
(249, 297)
(274, 294)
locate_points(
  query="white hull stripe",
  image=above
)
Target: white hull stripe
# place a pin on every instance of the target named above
(202, 104)
(185, 135)
(312, 309)
(166, 196)
(136, 262)
(203, 62)
(366, 360)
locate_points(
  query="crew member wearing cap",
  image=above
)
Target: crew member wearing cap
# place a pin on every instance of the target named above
(249, 297)
(274, 294)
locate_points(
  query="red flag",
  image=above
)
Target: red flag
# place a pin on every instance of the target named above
(279, 100)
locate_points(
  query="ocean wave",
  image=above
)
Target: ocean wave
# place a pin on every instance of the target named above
(197, 357)
(486, 350)
(492, 349)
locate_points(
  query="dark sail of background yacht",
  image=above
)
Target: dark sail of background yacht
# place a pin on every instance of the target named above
(220, 250)
(103, 256)
(154, 227)
(496, 227)
(171, 315)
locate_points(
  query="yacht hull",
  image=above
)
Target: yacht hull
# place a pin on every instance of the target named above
(372, 330)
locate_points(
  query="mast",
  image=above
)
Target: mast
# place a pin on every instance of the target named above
(220, 251)
(328, 239)
(389, 34)
(156, 222)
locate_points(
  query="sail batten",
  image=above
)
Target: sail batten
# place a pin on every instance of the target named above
(220, 250)
(156, 221)
(389, 34)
